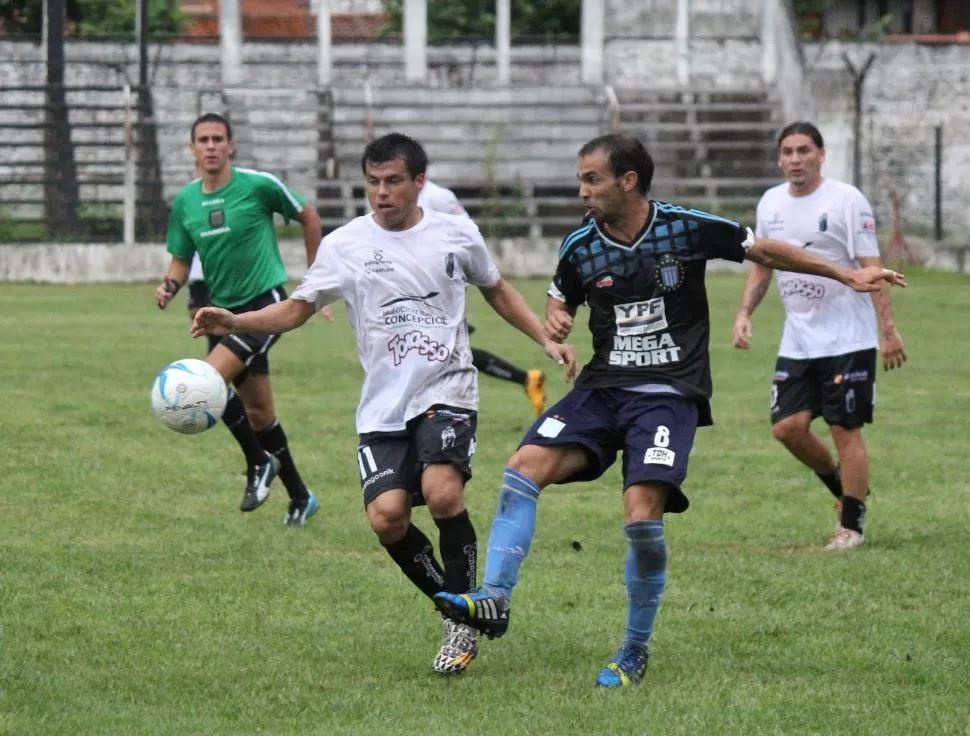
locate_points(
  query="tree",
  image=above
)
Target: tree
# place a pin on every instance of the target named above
(91, 17)
(476, 18)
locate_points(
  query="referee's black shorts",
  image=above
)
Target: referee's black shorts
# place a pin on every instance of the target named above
(252, 350)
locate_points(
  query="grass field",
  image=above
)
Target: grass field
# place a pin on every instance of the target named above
(136, 599)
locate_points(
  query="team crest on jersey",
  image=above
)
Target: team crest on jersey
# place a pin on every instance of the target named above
(450, 265)
(217, 218)
(670, 273)
(823, 223)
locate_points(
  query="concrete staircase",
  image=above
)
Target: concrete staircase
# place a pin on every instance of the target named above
(712, 148)
(476, 134)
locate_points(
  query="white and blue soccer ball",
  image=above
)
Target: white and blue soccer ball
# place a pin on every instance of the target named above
(189, 396)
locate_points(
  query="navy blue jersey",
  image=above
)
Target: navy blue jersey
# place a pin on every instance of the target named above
(648, 311)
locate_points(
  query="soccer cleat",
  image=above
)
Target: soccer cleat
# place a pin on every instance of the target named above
(258, 480)
(535, 389)
(301, 511)
(626, 668)
(458, 649)
(476, 609)
(844, 539)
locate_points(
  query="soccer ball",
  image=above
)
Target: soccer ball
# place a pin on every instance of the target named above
(189, 396)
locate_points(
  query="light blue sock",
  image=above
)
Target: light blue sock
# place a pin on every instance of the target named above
(512, 532)
(646, 575)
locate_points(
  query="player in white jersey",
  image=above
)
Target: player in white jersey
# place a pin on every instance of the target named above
(403, 272)
(827, 360)
(440, 199)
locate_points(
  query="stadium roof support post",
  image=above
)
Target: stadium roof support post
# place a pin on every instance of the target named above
(591, 35)
(230, 42)
(324, 44)
(415, 40)
(503, 40)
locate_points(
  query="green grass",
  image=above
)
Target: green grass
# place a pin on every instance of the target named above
(136, 599)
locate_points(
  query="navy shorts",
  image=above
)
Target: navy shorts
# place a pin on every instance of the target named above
(655, 432)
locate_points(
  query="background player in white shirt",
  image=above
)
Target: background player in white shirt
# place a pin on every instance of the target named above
(403, 272)
(533, 380)
(827, 360)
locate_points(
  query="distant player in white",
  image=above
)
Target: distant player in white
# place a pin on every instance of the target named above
(827, 360)
(403, 272)
(533, 380)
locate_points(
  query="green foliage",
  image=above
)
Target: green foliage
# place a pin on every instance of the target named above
(811, 6)
(108, 17)
(448, 19)
(92, 17)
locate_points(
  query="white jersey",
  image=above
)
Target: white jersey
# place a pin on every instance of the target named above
(405, 294)
(823, 317)
(439, 199)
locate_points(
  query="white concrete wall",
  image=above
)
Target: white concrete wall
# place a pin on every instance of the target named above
(910, 89)
(101, 263)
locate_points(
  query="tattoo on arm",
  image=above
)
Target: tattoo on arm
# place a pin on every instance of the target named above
(755, 295)
(884, 309)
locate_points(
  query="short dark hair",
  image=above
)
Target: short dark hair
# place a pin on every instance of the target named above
(802, 128)
(625, 153)
(393, 147)
(211, 117)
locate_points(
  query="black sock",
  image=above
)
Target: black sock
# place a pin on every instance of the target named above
(459, 552)
(492, 365)
(273, 440)
(853, 513)
(414, 554)
(832, 481)
(235, 418)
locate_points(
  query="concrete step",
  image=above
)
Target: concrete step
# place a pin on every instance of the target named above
(530, 114)
(470, 97)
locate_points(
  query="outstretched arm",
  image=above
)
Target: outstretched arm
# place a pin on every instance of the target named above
(272, 320)
(511, 305)
(755, 288)
(890, 341)
(784, 257)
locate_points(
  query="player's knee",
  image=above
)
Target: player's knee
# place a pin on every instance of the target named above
(443, 503)
(260, 417)
(847, 440)
(538, 464)
(443, 487)
(389, 522)
(789, 430)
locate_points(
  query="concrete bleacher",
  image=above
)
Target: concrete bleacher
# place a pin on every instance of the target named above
(506, 134)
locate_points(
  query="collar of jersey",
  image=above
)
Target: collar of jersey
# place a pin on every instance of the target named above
(643, 233)
(422, 223)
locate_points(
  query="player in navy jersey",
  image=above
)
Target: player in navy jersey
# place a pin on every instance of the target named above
(639, 266)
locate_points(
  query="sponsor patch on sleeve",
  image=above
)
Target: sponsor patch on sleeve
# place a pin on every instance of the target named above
(660, 456)
(550, 427)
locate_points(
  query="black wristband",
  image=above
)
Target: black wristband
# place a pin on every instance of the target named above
(172, 286)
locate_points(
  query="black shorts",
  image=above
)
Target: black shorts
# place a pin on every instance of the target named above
(198, 296)
(443, 435)
(655, 433)
(841, 389)
(251, 349)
